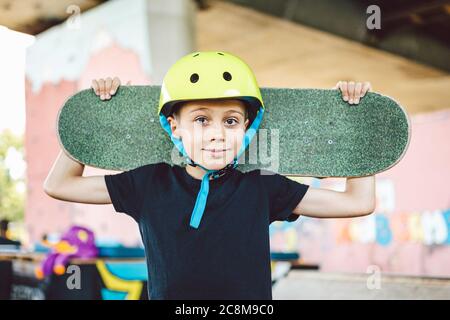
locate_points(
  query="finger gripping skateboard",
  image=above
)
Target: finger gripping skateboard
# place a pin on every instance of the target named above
(304, 132)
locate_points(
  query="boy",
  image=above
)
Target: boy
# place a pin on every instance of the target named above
(210, 106)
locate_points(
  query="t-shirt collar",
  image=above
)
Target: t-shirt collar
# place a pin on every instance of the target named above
(195, 183)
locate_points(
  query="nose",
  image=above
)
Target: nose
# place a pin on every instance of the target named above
(215, 132)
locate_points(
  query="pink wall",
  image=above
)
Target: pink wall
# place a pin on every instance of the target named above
(409, 231)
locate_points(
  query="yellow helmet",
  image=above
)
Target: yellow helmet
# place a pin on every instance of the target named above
(209, 75)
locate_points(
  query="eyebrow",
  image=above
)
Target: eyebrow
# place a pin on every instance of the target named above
(229, 111)
(198, 109)
(235, 111)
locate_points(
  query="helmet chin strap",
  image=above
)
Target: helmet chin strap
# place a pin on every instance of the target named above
(202, 196)
(215, 173)
(200, 202)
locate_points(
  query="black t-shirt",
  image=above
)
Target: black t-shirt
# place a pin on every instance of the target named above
(228, 256)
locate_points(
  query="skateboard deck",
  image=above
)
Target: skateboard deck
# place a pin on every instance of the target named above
(304, 132)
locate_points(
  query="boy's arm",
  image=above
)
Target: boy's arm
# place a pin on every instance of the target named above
(359, 197)
(65, 182)
(357, 200)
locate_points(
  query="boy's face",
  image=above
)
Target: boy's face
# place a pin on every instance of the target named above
(211, 130)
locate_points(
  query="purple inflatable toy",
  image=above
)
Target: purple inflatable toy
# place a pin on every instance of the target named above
(77, 242)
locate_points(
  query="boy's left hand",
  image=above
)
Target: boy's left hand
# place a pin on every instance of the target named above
(353, 91)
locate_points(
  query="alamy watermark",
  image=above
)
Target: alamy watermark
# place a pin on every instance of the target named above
(73, 281)
(374, 20)
(73, 22)
(374, 279)
(263, 150)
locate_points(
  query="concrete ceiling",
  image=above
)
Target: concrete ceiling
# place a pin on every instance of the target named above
(35, 16)
(415, 29)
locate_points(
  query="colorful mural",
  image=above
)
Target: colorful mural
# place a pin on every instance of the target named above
(409, 232)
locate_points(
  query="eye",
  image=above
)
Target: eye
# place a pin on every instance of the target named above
(194, 77)
(201, 120)
(227, 76)
(231, 121)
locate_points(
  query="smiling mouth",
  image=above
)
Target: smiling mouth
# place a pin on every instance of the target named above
(216, 150)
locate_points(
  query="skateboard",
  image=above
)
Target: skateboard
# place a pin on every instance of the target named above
(304, 132)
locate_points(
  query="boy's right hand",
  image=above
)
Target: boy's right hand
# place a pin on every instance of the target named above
(105, 88)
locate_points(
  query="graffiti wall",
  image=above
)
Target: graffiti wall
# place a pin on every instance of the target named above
(409, 232)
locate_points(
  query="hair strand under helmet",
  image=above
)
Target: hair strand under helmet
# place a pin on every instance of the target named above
(210, 75)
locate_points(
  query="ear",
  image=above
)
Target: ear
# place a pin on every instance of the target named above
(246, 123)
(173, 126)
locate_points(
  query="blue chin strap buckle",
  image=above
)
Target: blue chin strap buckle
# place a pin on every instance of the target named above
(202, 196)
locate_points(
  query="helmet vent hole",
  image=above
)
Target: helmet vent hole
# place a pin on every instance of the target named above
(194, 78)
(227, 76)
(196, 54)
(220, 53)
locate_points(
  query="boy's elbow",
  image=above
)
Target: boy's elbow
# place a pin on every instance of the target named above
(372, 205)
(367, 208)
(49, 190)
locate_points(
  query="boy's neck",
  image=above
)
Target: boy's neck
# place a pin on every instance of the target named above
(195, 172)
